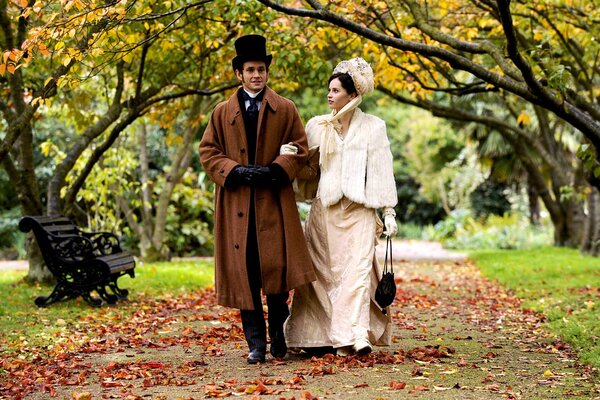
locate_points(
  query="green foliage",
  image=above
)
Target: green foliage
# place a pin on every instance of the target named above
(561, 283)
(114, 176)
(489, 198)
(190, 217)
(21, 320)
(410, 231)
(460, 230)
(437, 155)
(412, 207)
(12, 241)
(587, 154)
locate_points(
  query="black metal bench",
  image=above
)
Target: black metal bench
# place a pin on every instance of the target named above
(80, 261)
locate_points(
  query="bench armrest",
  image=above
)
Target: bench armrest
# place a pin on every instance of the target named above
(72, 247)
(104, 242)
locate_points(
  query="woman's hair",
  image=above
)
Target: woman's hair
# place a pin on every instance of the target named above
(345, 80)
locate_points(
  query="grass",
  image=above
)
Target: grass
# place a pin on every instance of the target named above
(23, 323)
(561, 283)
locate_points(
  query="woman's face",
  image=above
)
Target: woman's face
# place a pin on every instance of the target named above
(338, 97)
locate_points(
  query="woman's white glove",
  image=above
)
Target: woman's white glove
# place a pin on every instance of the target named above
(288, 148)
(389, 220)
(391, 228)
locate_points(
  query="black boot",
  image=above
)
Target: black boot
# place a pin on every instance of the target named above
(278, 346)
(253, 323)
(278, 313)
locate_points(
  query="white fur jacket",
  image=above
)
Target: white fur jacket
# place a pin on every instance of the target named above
(361, 169)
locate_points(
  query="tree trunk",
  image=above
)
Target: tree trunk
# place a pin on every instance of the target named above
(572, 231)
(590, 242)
(534, 203)
(594, 248)
(590, 222)
(38, 272)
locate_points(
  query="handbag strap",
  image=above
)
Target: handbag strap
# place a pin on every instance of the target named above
(388, 255)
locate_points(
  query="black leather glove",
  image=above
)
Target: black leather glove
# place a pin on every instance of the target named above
(257, 176)
(240, 175)
(278, 175)
(270, 176)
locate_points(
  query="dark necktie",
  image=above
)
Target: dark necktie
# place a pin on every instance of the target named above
(252, 109)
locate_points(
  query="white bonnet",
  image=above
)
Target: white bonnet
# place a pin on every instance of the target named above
(361, 73)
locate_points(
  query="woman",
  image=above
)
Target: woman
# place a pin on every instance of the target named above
(356, 179)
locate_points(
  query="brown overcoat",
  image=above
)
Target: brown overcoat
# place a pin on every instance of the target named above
(284, 259)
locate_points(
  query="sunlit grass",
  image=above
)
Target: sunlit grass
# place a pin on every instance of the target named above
(23, 323)
(561, 283)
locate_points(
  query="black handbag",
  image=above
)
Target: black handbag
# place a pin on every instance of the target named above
(386, 288)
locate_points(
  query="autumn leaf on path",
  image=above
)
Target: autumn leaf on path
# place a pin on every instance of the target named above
(397, 385)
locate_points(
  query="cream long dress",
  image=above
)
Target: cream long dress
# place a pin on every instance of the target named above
(338, 309)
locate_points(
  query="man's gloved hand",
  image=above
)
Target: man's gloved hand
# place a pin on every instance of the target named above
(261, 176)
(288, 148)
(269, 176)
(256, 176)
(240, 175)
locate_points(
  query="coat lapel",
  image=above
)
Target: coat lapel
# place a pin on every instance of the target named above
(236, 119)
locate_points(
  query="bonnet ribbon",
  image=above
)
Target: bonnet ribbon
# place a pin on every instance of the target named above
(331, 128)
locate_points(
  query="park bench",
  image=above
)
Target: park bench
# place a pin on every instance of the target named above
(80, 261)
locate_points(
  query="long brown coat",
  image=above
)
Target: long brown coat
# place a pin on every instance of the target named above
(284, 259)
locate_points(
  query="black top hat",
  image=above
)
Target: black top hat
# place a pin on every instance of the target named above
(250, 48)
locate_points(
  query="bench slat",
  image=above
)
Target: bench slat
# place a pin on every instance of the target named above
(58, 229)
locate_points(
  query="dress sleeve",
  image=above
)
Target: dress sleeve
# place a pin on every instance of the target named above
(380, 185)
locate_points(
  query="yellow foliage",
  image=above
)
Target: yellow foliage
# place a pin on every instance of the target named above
(523, 119)
(43, 49)
(46, 147)
(173, 140)
(471, 33)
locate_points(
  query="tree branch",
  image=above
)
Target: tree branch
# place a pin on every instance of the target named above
(530, 90)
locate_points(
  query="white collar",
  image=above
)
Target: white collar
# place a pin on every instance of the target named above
(253, 95)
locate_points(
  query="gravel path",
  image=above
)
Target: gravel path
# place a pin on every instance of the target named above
(403, 250)
(456, 336)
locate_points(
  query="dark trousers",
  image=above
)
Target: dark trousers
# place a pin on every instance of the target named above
(253, 321)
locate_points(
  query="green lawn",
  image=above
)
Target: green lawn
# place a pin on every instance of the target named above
(560, 283)
(22, 322)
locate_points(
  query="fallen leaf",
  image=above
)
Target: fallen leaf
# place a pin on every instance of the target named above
(397, 385)
(82, 396)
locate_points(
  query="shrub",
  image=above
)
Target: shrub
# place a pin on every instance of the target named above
(511, 231)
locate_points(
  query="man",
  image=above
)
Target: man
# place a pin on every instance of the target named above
(259, 241)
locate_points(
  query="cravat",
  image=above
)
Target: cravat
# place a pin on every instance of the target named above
(252, 109)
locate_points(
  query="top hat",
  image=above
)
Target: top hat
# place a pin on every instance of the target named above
(250, 48)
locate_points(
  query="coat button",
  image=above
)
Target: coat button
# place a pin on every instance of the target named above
(240, 214)
(242, 150)
(237, 246)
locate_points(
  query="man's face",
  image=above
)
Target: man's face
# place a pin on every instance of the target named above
(254, 76)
